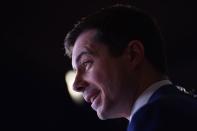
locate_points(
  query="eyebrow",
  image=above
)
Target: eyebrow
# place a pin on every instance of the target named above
(81, 54)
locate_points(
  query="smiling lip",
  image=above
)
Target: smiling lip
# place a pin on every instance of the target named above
(91, 96)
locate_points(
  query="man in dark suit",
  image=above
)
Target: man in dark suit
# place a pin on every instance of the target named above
(119, 60)
(168, 108)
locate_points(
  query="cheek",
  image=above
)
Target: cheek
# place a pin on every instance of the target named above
(100, 78)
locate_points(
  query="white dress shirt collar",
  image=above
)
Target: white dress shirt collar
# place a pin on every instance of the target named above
(144, 97)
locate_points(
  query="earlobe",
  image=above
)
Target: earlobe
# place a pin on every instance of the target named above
(135, 52)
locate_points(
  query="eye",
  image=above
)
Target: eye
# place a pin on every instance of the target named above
(86, 65)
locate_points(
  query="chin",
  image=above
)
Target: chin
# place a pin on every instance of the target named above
(101, 117)
(104, 114)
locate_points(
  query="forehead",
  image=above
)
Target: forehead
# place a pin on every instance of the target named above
(84, 40)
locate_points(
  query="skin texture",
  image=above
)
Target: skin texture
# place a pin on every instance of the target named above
(110, 84)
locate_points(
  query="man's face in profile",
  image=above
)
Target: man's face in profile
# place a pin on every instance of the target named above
(102, 78)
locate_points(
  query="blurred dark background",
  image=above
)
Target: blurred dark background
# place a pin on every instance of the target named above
(35, 96)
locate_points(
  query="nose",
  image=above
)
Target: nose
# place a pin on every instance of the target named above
(79, 84)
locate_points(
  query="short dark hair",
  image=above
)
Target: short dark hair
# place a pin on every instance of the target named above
(116, 26)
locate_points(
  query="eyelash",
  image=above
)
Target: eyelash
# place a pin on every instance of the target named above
(85, 64)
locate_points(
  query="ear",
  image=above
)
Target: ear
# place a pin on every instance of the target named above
(135, 52)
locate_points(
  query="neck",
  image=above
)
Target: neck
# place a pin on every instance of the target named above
(146, 77)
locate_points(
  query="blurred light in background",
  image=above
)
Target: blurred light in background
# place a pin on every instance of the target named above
(76, 96)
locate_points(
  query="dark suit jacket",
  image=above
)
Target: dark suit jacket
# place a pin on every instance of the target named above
(168, 109)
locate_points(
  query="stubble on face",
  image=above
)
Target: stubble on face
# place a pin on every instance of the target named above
(107, 75)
